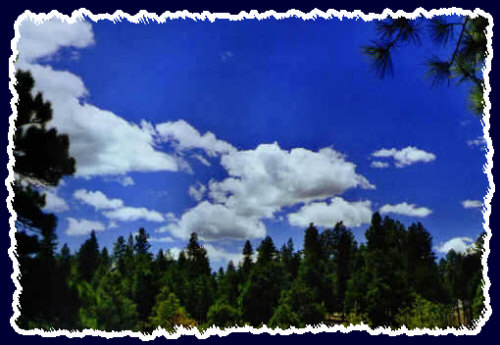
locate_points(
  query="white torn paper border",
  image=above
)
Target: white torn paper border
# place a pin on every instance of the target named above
(146, 17)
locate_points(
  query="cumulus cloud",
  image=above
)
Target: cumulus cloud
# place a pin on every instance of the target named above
(458, 244)
(264, 180)
(115, 209)
(379, 165)
(130, 214)
(197, 191)
(407, 156)
(45, 39)
(183, 136)
(261, 183)
(216, 221)
(97, 199)
(54, 203)
(77, 227)
(328, 214)
(406, 209)
(472, 204)
(102, 142)
(219, 257)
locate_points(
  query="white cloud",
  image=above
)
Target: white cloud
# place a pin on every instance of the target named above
(97, 200)
(125, 181)
(264, 180)
(379, 165)
(216, 221)
(406, 209)
(261, 182)
(130, 214)
(197, 191)
(115, 209)
(479, 141)
(45, 39)
(54, 203)
(458, 244)
(185, 137)
(174, 251)
(165, 239)
(320, 213)
(407, 156)
(102, 142)
(78, 227)
(202, 160)
(220, 257)
(227, 55)
(472, 204)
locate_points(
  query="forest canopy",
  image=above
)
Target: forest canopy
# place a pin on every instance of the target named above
(393, 279)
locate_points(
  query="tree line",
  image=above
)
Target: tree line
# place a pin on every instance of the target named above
(392, 279)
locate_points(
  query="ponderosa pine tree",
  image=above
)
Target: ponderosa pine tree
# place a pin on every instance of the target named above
(41, 160)
(260, 294)
(290, 262)
(314, 271)
(344, 248)
(88, 258)
(247, 262)
(423, 275)
(200, 285)
(386, 265)
(464, 39)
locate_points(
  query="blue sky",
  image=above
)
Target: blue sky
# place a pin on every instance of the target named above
(268, 124)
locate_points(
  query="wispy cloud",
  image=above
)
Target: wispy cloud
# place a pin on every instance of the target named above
(379, 165)
(78, 227)
(406, 156)
(472, 204)
(226, 56)
(458, 244)
(406, 209)
(115, 209)
(477, 142)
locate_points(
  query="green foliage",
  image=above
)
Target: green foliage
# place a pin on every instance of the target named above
(168, 313)
(41, 160)
(88, 258)
(304, 302)
(261, 292)
(41, 154)
(223, 314)
(106, 307)
(465, 39)
(425, 314)
(284, 317)
(392, 280)
(478, 303)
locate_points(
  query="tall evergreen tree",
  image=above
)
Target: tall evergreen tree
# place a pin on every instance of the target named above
(88, 258)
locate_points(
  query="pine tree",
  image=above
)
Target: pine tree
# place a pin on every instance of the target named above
(247, 261)
(260, 294)
(141, 246)
(466, 37)
(88, 258)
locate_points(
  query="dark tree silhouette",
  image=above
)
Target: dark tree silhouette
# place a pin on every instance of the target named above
(464, 37)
